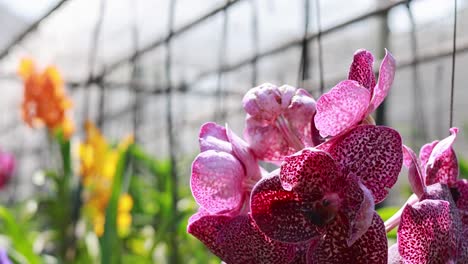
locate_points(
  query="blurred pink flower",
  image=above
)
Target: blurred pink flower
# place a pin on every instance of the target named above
(7, 167)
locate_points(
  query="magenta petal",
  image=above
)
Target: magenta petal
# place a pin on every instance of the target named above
(299, 116)
(415, 175)
(213, 136)
(301, 251)
(386, 76)
(425, 152)
(344, 106)
(279, 214)
(370, 248)
(460, 195)
(361, 69)
(267, 101)
(216, 181)
(245, 244)
(266, 141)
(245, 155)
(427, 233)
(373, 153)
(442, 165)
(309, 172)
(207, 229)
(359, 208)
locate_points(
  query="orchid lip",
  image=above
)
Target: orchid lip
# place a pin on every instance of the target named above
(323, 211)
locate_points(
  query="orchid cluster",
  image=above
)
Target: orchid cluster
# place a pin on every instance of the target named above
(334, 165)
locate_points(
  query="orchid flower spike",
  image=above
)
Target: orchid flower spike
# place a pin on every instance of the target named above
(351, 101)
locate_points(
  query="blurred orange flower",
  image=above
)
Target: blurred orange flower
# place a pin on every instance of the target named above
(45, 101)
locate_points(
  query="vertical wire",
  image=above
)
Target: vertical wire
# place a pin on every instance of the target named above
(380, 115)
(174, 255)
(319, 44)
(92, 58)
(304, 65)
(419, 131)
(255, 40)
(220, 109)
(134, 71)
(454, 50)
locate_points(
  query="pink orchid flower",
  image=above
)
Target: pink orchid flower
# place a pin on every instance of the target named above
(279, 121)
(351, 101)
(225, 171)
(433, 225)
(223, 175)
(319, 197)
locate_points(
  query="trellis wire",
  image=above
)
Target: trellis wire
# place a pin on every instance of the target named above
(255, 41)
(454, 50)
(419, 130)
(252, 60)
(220, 114)
(173, 255)
(305, 60)
(31, 29)
(319, 46)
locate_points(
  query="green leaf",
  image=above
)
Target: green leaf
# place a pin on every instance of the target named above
(110, 242)
(463, 167)
(387, 212)
(16, 233)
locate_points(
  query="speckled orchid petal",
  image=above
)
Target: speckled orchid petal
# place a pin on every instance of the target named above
(267, 101)
(385, 81)
(242, 151)
(460, 195)
(216, 181)
(370, 248)
(442, 164)
(213, 136)
(373, 153)
(463, 248)
(415, 175)
(207, 229)
(310, 172)
(279, 213)
(244, 243)
(426, 233)
(344, 106)
(358, 206)
(266, 141)
(361, 69)
(425, 152)
(302, 249)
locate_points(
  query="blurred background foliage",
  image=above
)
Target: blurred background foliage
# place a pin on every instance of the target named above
(40, 229)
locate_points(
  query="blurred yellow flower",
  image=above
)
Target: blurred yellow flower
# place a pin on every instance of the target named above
(45, 101)
(98, 166)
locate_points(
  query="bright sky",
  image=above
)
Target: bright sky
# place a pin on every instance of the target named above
(29, 9)
(424, 10)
